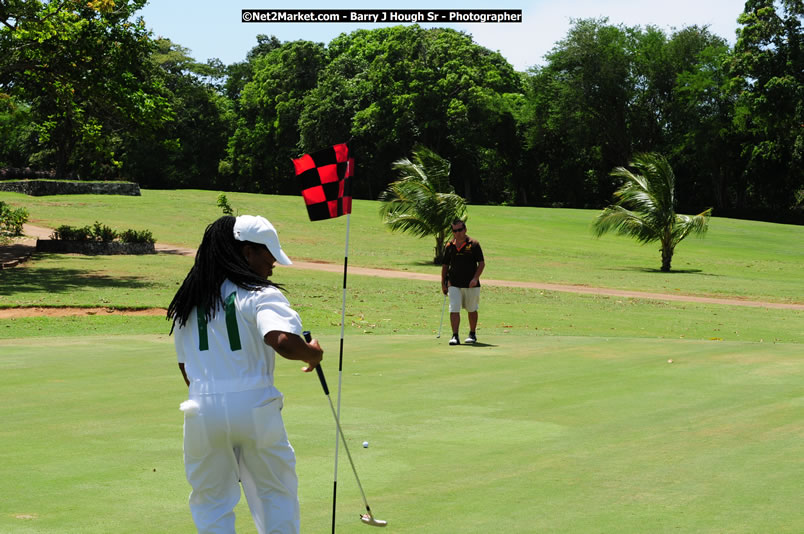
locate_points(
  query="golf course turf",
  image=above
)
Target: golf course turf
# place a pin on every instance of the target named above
(573, 413)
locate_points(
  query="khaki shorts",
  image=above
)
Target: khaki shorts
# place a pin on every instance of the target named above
(463, 297)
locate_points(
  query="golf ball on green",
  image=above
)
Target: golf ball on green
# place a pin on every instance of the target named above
(365, 444)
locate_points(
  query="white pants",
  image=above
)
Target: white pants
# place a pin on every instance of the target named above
(241, 436)
(463, 297)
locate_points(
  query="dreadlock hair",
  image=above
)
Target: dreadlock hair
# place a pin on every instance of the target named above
(219, 257)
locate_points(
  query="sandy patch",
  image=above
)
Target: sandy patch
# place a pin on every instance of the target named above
(16, 313)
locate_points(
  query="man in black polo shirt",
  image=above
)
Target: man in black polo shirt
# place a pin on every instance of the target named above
(460, 279)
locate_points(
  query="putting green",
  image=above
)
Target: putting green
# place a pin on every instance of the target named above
(522, 433)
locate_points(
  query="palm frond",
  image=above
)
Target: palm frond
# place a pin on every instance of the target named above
(650, 191)
(410, 171)
(625, 222)
(691, 224)
(408, 223)
(437, 168)
(420, 201)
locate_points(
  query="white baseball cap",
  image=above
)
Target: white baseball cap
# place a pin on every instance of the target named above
(257, 229)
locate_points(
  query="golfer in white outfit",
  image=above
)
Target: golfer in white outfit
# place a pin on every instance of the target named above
(229, 321)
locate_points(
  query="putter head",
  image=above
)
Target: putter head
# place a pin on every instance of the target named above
(371, 520)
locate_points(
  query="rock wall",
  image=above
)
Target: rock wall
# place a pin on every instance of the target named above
(38, 188)
(93, 248)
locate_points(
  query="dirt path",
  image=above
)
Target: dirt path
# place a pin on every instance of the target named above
(27, 246)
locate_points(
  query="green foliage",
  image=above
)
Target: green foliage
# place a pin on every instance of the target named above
(83, 68)
(186, 147)
(103, 233)
(705, 146)
(609, 91)
(766, 77)
(12, 220)
(421, 201)
(16, 132)
(66, 232)
(645, 208)
(577, 114)
(86, 90)
(223, 204)
(393, 88)
(266, 136)
(137, 236)
(239, 74)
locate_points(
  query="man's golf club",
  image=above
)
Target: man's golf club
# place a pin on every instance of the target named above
(367, 518)
(443, 304)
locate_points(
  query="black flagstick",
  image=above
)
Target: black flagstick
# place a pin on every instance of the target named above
(350, 173)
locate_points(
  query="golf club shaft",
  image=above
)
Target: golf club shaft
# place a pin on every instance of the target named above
(320, 372)
(440, 324)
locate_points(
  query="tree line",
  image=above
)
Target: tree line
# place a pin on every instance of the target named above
(86, 91)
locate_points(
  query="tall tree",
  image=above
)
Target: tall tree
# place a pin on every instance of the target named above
(702, 140)
(83, 69)
(267, 134)
(16, 131)
(421, 201)
(768, 77)
(391, 88)
(239, 74)
(610, 91)
(577, 122)
(646, 207)
(186, 149)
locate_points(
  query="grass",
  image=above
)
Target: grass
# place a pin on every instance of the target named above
(523, 434)
(567, 417)
(55, 280)
(744, 259)
(377, 306)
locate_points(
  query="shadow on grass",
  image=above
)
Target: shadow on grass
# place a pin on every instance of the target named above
(659, 271)
(479, 344)
(175, 251)
(54, 280)
(425, 264)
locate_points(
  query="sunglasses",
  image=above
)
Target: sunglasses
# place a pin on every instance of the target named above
(456, 230)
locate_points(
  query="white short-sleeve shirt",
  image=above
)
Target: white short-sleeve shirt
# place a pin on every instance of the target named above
(228, 353)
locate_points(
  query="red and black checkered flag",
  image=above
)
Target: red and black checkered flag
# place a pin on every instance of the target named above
(325, 179)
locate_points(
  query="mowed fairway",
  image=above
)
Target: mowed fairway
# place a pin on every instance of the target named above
(523, 433)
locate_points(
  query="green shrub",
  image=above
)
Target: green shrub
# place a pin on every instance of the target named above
(135, 236)
(11, 220)
(71, 233)
(103, 233)
(223, 204)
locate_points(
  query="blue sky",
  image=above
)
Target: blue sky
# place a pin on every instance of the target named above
(211, 28)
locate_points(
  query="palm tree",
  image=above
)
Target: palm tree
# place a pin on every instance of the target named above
(422, 201)
(645, 207)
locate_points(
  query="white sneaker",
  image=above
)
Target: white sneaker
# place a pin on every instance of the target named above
(471, 339)
(454, 340)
